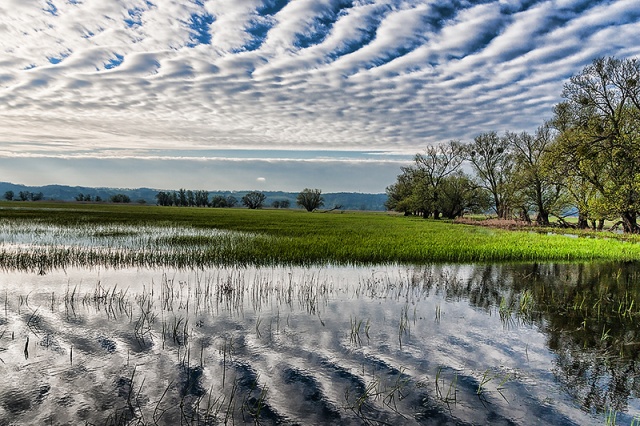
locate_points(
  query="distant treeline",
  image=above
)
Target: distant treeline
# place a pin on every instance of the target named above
(274, 199)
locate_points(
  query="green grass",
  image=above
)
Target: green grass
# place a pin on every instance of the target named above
(300, 238)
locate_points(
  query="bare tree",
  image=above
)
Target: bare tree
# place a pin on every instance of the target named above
(310, 199)
(254, 200)
(492, 160)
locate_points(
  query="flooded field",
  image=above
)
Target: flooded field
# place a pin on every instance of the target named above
(471, 344)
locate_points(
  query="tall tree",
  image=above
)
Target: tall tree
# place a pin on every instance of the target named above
(433, 166)
(599, 140)
(537, 186)
(492, 160)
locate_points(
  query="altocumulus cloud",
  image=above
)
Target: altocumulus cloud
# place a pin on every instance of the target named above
(160, 83)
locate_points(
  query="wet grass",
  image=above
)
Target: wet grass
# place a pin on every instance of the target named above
(286, 237)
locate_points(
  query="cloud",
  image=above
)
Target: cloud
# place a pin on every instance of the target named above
(89, 78)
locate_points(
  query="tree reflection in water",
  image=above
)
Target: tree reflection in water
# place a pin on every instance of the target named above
(589, 312)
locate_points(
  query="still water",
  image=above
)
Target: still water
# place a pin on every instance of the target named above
(472, 344)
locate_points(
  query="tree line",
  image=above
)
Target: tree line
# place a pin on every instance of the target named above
(23, 196)
(309, 199)
(585, 160)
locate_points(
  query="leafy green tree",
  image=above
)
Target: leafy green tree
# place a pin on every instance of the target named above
(9, 195)
(458, 194)
(402, 195)
(24, 195)
(254, 200)
(599, 139)
(310, 199)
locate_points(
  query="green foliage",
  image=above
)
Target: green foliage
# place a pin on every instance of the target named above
(599, 142)
(292, 237)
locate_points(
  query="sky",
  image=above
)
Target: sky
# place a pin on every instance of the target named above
(279, 94)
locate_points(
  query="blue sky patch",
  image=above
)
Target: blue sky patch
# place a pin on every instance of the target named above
(272, 7)
(322, 25)
(199, 26)
(51, 8)
(135, 17)
(57, 59)
(258, 32)
(115, 62)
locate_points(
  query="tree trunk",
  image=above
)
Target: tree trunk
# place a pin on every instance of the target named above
(600, 224)
(583, 223)
(629, 223)
(543, 218)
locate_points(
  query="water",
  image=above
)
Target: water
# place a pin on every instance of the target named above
(471, 344)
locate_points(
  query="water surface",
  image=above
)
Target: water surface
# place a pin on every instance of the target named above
(471, 344)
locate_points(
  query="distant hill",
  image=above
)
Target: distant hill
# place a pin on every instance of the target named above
(347, 200)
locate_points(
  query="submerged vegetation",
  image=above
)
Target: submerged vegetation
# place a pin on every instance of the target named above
(59, 235)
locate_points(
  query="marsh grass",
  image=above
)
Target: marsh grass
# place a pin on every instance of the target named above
(61, 235)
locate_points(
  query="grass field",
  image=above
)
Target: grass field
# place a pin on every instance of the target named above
(294, 237)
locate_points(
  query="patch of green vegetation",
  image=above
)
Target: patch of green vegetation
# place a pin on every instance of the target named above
(266, 237)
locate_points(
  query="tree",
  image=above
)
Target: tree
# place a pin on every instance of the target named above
(310, 199)
(202, 198)
(24, 195)
(164, 198)
(452, 194)
(458, 194)
(536, 186)
(120, 198)
(254, 200)
(182, 198)
(9, 195)
(599, 139)
(492, 161)
(403, 196)
(218, 201)
(232, 201)
(37, 196)
(433, 167)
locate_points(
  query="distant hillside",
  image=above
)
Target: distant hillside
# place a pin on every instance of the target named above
(347, 200)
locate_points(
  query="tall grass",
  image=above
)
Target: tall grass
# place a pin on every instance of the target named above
(118, 235)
